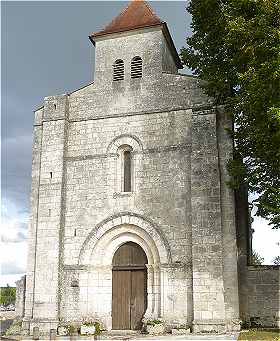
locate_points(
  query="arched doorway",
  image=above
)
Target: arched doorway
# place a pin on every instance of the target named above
(129, 287)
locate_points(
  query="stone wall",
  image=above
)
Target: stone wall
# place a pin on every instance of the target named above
(161, 142)
(258, 285)
(20, 296)
(262, 287)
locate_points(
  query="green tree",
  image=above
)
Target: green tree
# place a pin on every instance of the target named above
(256, 258)
(8, 295)
(235, 48)
(276, 260)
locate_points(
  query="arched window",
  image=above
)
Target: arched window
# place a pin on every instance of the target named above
(125, 168)
(118, 70)
(127, 171)
(136, 67)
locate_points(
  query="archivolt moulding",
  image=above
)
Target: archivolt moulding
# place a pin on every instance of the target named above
(125, 139)
(116, 230)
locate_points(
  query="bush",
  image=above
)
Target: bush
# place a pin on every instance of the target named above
(97, 328)
(153, 322)
(96, 324)
(15, 328)
(8, 295)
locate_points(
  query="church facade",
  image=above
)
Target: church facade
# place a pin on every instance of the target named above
(131, 216)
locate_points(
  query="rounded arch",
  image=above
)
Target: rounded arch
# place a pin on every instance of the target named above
(103, 252)
(111, 233)
(129, 254)
(124, 139)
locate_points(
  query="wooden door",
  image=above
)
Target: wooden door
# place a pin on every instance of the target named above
(138, 300)
(129, 289)
(121, 299)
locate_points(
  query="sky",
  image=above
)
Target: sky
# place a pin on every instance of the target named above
(46, 51)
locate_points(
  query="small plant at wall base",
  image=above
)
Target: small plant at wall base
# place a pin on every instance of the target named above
(88, 324)
(256, 258)
(67, 329)
(153, 322)
(155, 327)
(276, 260)
(15, 328)
(90, 327)
(71, 329)
(97, 328)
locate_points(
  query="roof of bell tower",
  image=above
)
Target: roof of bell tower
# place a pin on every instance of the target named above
(137, 14)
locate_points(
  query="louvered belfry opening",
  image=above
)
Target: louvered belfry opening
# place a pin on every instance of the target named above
(136, 67)
(118, 70)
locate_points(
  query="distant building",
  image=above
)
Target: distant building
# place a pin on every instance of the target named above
(131, 215)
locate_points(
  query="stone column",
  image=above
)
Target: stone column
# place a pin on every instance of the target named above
(225, 149)
(207, 234)
(33, 218)
(154, 287)
(150, 292)
(48, 249)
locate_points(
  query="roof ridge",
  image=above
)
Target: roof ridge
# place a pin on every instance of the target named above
(136, 14)
(150, 9)
(119, 15)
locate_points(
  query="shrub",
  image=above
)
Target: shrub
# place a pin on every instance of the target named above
(15, 328)
(153, 322)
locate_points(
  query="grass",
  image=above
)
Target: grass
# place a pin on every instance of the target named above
(259, 335)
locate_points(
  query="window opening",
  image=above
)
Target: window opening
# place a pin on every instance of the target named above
(118, 70)
(136, 67)
(127, 171)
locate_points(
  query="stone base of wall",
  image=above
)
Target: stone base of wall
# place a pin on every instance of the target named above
(209, 326)
(44, 326)
(233, 325)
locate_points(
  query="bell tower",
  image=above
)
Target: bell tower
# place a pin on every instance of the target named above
(136, 32)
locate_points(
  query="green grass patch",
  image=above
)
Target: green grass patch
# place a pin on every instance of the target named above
(259, 335)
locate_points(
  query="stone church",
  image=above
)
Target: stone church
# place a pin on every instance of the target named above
(131, 216)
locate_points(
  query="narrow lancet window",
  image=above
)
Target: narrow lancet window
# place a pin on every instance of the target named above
(118, 70)
(127, 171)
(136, 67)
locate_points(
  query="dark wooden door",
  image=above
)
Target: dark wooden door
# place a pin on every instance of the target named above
(129, 290)
(138, 300)
(121, 299)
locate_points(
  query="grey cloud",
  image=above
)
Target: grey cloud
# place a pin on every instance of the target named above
(16, 171)
(18, 238)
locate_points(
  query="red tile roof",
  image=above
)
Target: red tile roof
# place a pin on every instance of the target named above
(137, 14)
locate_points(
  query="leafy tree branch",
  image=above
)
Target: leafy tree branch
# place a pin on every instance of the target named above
(235, 47)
